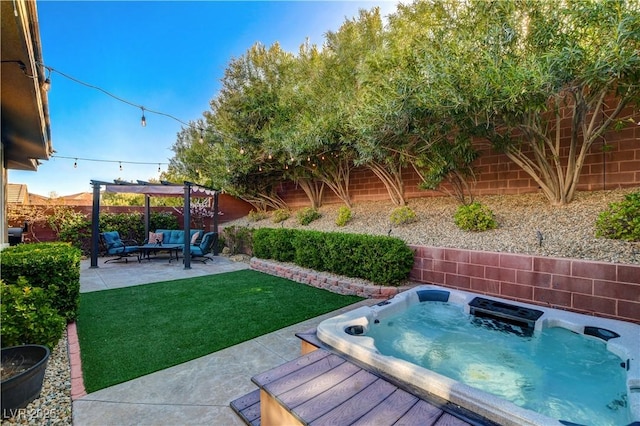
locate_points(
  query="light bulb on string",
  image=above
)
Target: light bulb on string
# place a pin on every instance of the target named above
(120, 165)
(270, 156)
(241, 150)
(201, 140)
(143, 120)
(75, 164)
(158, 167)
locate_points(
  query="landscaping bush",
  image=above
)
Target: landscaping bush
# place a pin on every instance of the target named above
(72, 227)
(344, 216)
(382, 260)
(274, 244)
(238, 239)
(307, 215)
(280, 215)
(54, 267)
(402, 215)
(310, 249)
(256, 216)
(161, 220)
(130, 226)
(475, 217)
(621, 221)
(26, 316)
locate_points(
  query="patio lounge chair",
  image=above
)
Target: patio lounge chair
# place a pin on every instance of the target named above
(200, 252)
(117, 247)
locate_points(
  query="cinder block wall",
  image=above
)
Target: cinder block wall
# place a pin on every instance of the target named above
(617, 165)
(597, 288)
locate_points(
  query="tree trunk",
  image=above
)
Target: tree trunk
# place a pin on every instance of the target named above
(391, 177)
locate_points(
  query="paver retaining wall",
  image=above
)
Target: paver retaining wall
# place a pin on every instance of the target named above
(595, 288)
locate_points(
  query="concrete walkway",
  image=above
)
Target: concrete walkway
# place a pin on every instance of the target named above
(196, 392)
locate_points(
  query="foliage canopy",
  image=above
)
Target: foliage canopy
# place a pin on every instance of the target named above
(422, 91)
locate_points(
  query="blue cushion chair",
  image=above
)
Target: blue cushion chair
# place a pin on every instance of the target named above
(200, 252)
(115, 246)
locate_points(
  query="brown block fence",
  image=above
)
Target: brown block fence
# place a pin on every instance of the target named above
(596, 288)
(612, 162)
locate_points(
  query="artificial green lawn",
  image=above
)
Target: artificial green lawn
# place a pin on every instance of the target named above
(129, 332)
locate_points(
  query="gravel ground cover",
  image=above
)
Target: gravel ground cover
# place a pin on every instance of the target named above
(567, 231)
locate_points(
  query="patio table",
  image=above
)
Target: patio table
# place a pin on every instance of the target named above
(147, 249)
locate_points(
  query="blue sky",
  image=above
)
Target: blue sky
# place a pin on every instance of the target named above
(165, 56)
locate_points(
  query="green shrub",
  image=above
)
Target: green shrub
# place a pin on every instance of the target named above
(344, 216)
(160, 220)
(475, 217)
(238, 239)
(54, 267)
(130, 226)
(72, 227)
(621, 221)
(307, 215)
(382, 260)
(26, 316)
(280, 215)
(256, 216)
(402, 215)
(274, 244)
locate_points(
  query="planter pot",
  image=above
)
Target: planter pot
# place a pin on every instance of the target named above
(22, 388)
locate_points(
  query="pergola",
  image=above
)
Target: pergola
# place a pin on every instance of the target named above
(163, 189)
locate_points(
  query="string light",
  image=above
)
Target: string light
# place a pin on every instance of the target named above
(75, 164)
(270, 156)
(158, 167)
(241, 150)
(120, 162)
(120, 166)
(143, 120)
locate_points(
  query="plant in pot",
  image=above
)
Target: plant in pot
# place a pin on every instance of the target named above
(29, 327)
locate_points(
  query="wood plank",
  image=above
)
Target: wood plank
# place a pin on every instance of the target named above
(289, 367)
(247, 400)
(357, 406)
(331, 398)
(389, 410)
(317, 385)
(303, 375)
(248, 407)
(421, 414)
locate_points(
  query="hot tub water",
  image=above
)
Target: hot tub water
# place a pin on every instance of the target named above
(555, 372)
(512, 363)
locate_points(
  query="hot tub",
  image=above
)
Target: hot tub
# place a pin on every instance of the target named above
(610, 350)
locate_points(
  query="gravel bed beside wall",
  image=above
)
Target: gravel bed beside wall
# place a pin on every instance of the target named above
(567, 231)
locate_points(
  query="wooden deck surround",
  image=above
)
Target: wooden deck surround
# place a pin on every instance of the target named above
(323, 388)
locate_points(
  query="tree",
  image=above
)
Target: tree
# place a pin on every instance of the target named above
(517, 66)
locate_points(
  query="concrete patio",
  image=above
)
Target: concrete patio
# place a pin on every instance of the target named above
(196, 392)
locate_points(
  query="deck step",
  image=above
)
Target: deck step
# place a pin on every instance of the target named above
(323, 388)
(248, 407)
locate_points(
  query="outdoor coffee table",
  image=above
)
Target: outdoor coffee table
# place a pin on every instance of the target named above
(147, 249)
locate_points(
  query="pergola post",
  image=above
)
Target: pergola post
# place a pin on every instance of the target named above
(187, 225)
(95, 224)
(147, 214)
(215, 222)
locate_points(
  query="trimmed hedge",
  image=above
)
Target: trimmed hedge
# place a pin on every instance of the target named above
(26, 316)
(382, 260)
(55, 267)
